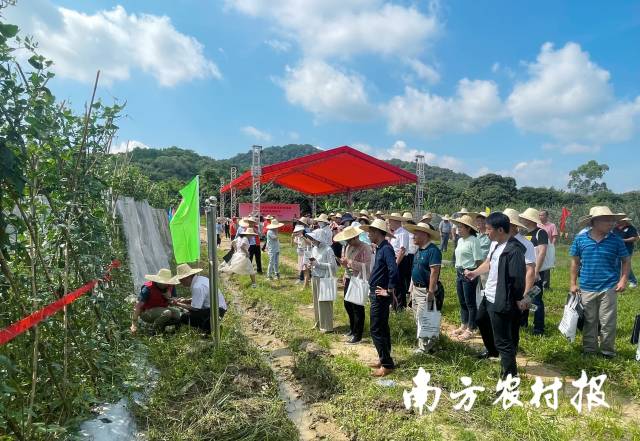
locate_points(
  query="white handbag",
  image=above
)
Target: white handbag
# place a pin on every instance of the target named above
(549, 258)
(429, 321)
(328, 287)
(358, 291)
(569, 324)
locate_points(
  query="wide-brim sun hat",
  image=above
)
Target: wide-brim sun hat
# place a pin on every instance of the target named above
(514, 217)
(425, 228)
(530, 214)
(364, 213)
(316, 235)
(275, 224)
(247, 221)
(426, 216)
(184, 270)
(304, 220)
(249, 232)
(322, 218)
(378, 224)
(163, 276)
(298, 229)
(626, 219)
(599, 211)
(407, 215)
(395, 216)
(348, 233)
(379, 213)
(464, 211)
(466, 220)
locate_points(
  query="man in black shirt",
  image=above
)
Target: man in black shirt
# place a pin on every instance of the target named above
(382, 284)
(540, 240)
(629, 236)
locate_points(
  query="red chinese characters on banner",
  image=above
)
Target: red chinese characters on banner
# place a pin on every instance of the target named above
(282, 212)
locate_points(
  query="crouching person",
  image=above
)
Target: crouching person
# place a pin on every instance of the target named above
(154, 300)
(198, 309)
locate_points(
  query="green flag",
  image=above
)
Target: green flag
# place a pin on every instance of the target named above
(185, 224)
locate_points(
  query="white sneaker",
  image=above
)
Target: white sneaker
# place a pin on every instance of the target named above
(253, 285)
(633, 285)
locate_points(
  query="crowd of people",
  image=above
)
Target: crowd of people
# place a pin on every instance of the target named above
(503, 262)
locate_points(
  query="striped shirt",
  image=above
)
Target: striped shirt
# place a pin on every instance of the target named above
(599, 261)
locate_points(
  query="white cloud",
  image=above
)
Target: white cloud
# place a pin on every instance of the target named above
(570, 98)
(326, 28)
(475, 105)
(127, 146)
(294, 136)
(572, 148)
(400, 150)
(256, 133)
(278, 45)
(113, 42)
(424, 71)
(327, 92)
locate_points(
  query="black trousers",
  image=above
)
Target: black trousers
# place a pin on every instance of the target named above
(379, 329)
(546, 278)
(337, 249)
(355, 313)
(254, 250)
(404, 280)
(200, 318)
(500, 333)
(226, 231)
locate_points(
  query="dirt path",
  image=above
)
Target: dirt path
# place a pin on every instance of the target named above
(311, 421)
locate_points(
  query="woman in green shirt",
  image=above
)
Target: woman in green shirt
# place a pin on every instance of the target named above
(468, 257)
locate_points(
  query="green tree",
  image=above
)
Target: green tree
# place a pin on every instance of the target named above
(587, 179)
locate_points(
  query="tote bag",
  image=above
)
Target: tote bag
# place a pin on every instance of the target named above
(358, 291)
(549, 258)
(328, 287)
(569, 323)
(429, 321)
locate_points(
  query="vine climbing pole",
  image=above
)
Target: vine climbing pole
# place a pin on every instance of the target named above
(234, 201)
(222, 198)
(256, 172)
(418, 209)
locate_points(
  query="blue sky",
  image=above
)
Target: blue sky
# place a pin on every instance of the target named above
(528, 89)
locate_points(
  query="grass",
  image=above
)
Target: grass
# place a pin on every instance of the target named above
(368, 411)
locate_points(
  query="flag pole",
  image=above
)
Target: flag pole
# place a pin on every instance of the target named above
(210, 211)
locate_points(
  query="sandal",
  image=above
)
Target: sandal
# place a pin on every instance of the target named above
(458, 331)
(466, 335)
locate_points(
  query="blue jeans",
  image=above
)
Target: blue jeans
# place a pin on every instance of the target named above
(444, 241)
(274, 263)
(538, 315)
(467, 296)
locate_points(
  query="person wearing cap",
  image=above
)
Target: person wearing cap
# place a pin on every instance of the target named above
(357, 263)
(153, 305)
(198, 308)
(273, 248)
(425, 273)
(382, 284)
(540, 240)
(444, 228)
(601, 260)
(400, 243)
(254, 241)
(323, 265)
(629, 236)
(468, 257)
(240, 262)
(500, 310)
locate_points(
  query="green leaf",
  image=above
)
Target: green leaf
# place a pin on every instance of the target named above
(35, 61)
(8, 30)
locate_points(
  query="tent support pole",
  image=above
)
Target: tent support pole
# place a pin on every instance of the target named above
(314, 205)
(350, 200)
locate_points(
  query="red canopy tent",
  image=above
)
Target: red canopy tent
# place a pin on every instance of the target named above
(339, 170)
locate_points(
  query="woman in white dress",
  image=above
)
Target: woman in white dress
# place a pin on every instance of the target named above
(240, 263)
(323, 266)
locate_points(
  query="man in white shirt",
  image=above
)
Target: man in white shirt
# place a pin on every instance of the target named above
(530, 250)
(400, 244)
(198, 309)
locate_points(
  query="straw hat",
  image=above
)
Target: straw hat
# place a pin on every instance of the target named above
(407, 215)
(445, 217)
(467, 220)
(247, 221)
(185, 270)
(364, 213)
(599, 211)
(514, 217)
(530, 214)
(249, 232)
(298, 229)
(322, 218)
(269, 217)
(339, 215)
(464, 211)
(163, 276)
(304, 220)
(626, 219)
(378, 224)
(395, 216)
(332, 215)
(347, 233)
(379, 213)
(424, 227)
(274, 224)
(426, 216)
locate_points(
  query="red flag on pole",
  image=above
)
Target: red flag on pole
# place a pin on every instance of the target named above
(563, 219)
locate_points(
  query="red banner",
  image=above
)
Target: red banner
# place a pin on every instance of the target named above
(17, 328)
(282, 212)
(563, 219)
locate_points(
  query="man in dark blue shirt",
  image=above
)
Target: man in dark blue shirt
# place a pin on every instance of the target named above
(382, 284)
(629, 236)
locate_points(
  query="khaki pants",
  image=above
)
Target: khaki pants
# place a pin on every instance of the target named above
(419, 299)
(161, 317)
(322, 311)
(600, 307)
